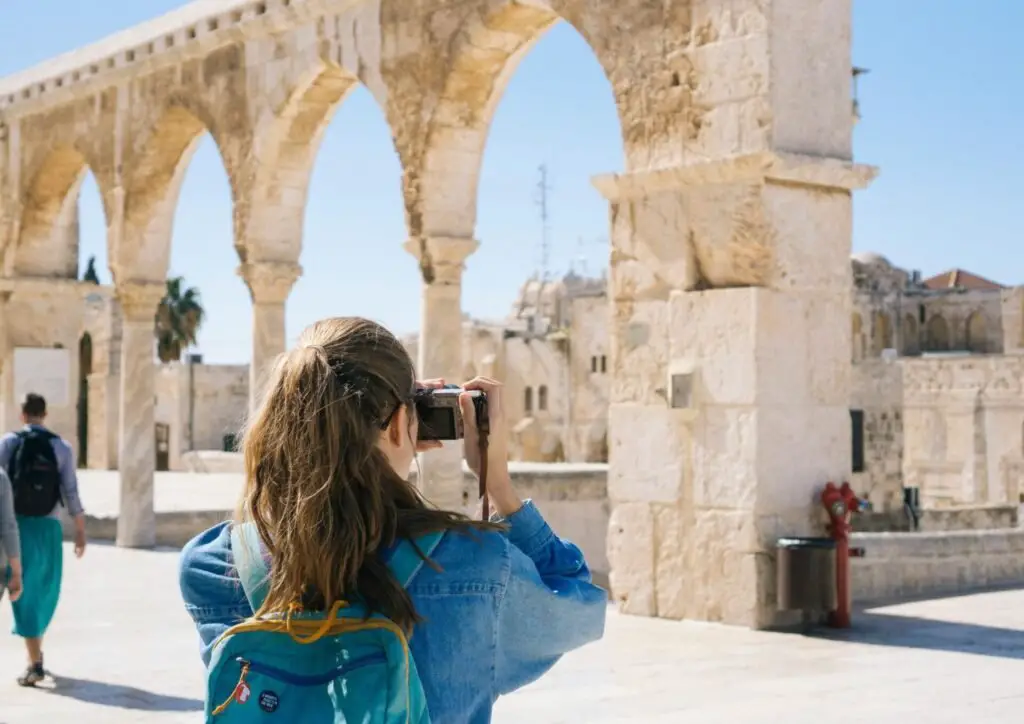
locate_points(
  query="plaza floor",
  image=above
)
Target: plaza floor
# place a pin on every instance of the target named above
(123, 650)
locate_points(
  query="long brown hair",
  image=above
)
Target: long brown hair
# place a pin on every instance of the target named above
(321, 493)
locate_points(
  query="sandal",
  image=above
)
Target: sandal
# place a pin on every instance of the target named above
(32, 676)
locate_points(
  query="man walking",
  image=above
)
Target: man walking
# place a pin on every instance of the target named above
(41, 467)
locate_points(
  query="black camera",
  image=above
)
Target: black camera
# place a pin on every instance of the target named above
(440, 417)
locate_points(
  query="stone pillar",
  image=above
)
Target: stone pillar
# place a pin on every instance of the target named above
(270, 283)
(730, 349)
(136, 522)
(441, 261)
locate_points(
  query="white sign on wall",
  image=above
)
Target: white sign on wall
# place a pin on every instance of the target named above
(44, 371)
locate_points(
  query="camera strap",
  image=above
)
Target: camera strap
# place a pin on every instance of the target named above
(483, 428)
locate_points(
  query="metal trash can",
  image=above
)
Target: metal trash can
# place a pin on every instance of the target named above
(806, 574)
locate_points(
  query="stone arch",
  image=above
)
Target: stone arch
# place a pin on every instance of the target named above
(976, 333)
(881, 333)
(154, 178)
(48, 241)
(484, 61)
(911, 336)
(284, 163)
(936, 334)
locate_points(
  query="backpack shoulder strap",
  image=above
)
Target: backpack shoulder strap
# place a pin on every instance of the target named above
(405, 562)
(254, 574)
(247, 551)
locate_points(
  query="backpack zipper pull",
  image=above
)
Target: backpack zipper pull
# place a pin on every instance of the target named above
(240, 693)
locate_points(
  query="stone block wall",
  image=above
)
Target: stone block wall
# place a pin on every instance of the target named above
(877, 391)
(964, 429)
(906, 565)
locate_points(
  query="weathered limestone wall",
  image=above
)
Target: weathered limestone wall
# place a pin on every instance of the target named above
(877, 390)
(904, 565)
(201, 404)
(41, 314)
(589, 379)
(964, 429)
(1013, 320)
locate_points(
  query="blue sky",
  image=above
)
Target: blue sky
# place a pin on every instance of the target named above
(942, 116)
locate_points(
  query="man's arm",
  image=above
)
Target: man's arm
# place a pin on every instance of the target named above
(69, 489)
(68, 478)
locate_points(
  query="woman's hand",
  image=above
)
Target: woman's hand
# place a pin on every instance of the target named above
(499, 483)
(425, 445)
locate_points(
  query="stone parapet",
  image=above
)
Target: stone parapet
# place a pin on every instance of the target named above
(910, 565)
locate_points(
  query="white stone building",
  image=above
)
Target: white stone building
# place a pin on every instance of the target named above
(937, 397)
(551, 352)
(199, 407)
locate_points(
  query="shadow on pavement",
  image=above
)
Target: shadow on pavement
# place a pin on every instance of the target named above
(118, 695)
(886, 629)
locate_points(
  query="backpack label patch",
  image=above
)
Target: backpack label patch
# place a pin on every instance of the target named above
(269, 701)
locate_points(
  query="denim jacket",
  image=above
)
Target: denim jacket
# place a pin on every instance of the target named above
(500, 614)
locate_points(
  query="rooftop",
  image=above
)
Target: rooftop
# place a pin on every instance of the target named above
(960, 279)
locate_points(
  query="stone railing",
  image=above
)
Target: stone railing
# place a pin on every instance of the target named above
(909, 565)
(572, 497)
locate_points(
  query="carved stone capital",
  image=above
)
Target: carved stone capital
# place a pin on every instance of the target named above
(139, 299)
(442, 258)
(269, 282)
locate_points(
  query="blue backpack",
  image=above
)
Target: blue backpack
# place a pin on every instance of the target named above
(323, 668)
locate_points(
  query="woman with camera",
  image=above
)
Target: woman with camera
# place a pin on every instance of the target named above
(327, 459)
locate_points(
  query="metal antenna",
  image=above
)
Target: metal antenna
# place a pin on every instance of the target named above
(542, 203)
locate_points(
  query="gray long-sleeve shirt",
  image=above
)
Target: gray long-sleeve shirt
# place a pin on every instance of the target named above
(10, 543)
(65, 465)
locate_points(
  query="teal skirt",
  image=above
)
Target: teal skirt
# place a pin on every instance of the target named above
(42, 564)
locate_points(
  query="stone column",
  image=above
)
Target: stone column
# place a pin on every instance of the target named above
(729, 405)
(136, 522)
(270, 283)
(441, 262)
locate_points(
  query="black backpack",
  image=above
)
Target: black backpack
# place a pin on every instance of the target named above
(34, 474)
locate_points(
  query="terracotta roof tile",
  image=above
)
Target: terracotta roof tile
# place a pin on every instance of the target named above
(958, 278)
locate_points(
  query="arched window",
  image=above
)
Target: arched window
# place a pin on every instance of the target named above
(604, 363)
(528, 400)
(856, 332)
(936, 335)
(976, 333)
(881, 334)
(542, 397)
(911, 341)
(593, 363)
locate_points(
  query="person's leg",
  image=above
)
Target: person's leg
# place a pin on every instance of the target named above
(34, 648)
(42, 564)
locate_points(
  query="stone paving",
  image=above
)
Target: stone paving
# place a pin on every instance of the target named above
(124, 651)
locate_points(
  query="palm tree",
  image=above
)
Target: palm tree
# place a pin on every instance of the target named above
(178, 319)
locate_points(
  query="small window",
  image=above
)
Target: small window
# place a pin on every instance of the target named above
(593, 364)
(542, 398)
(857, 425)
(604, 363)
(528, 399)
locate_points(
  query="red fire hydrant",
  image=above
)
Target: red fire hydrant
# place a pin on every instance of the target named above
(841, 503)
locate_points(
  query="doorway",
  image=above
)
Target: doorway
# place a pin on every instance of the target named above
(163, 447)
(84, 370)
